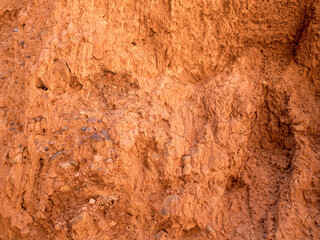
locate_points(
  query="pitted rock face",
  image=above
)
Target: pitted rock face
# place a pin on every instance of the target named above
(159, 119)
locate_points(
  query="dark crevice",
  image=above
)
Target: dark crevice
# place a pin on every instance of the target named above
(67, 65)
(41, 164)
(23, 202)
(308, 16)
(75, 84)
(234, 183)
(40, 84)
(107, 71)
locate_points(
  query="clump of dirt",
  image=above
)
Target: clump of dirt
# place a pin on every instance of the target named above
(159, 119)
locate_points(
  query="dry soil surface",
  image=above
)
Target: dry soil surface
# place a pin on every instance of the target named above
(149, 119)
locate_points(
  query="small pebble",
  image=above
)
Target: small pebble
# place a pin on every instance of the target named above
(92, 120)
(210, 229)
(187, 169)
(28, 56)
(2, 77)
(25, 230)
(186, 159)
(64, 128)
(22, 64)
(92, 201)
(17, 158)
(83, 128)
(108, 200)
(16, 30)
(89, 129)
(57, 227)
(113, 223)
(65, 165)
(97, 158)
(105, 134)
(22, 42)
(84, 209)
(96, 137)
(46, 149)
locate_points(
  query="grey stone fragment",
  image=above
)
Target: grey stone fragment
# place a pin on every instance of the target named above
(96, 137)
(56, 155)
(64, 128)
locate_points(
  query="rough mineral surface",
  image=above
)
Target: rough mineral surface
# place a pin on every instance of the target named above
(149, 119)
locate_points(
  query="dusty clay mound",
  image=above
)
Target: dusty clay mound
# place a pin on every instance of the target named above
(160, 119)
